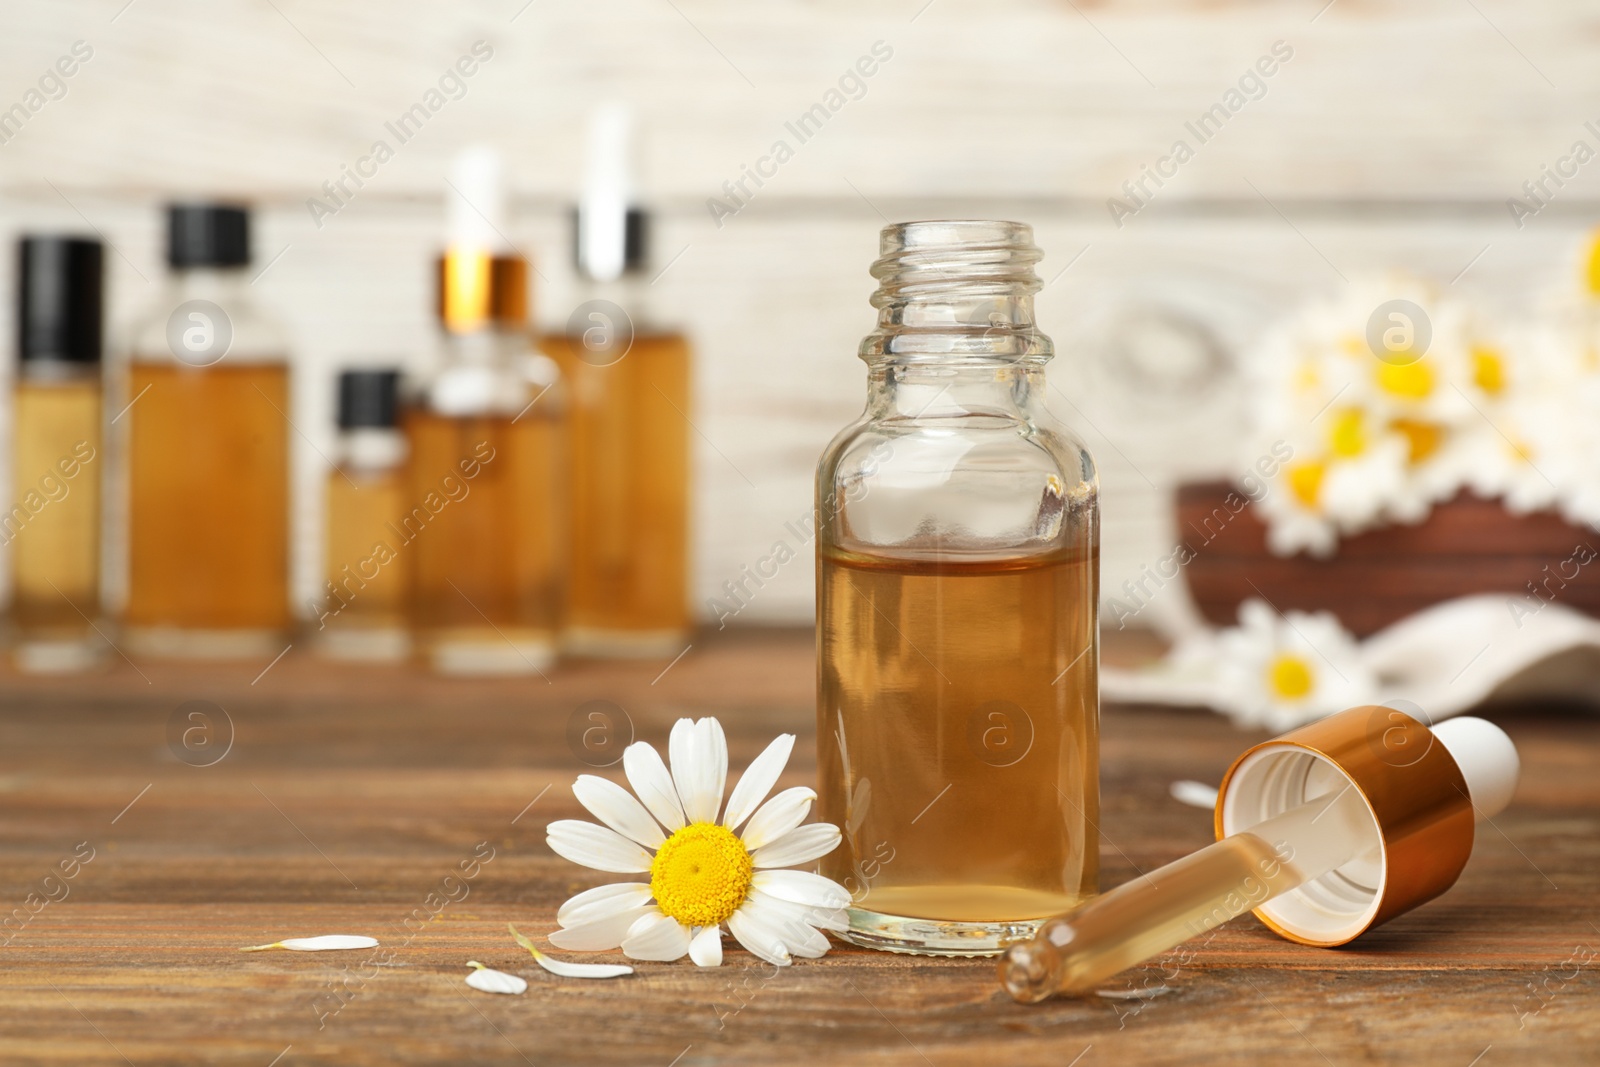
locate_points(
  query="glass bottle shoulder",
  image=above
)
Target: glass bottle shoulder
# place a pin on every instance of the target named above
(981, 486)
(204, 317)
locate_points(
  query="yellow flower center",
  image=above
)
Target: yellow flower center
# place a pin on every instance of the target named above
(1348, 436)
(1305, 481)
(1592, 275)
(1409, 381)
(1422, 437)
(701, 874)
(1289, 677)
(1488, 370)
(1306, 377)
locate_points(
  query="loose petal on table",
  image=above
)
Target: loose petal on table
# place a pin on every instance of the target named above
(324, 943)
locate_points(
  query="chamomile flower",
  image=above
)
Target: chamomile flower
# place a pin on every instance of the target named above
(705, 874)
(1280, 671)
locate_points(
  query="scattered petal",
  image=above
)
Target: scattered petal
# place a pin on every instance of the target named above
(601, 901)
(489, 980)
(324, 943)
(705, 948)
(564, 969)
(801, 845)
(596, 846)
(758, 780)
(656, 937)
(653, 782)
(618, 809)
(778, 816)
(1194, 794)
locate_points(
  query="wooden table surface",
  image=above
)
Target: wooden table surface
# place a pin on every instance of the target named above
(350, 794)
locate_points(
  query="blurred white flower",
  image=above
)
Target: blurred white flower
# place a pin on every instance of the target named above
(1281, 671)
(1397, 397)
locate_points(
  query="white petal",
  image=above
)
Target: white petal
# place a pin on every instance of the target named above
(794, 923)
(656, 937)
(324, 943)
(758, 780)
(596, 846)
(834, 919)
(699, 754)
(569, 970)
(618, 809)
(758, 937)
(680, 748)
(603, 900)
(581, 970)
(799, 887)
(650, 779)
(778, 816)
(798, 846)
(599, 934)
(489, 980)
(706, 947)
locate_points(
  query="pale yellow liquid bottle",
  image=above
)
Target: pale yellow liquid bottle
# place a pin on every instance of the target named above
(957, 584)
(627, 377)
(361, 614)
(208, 432)
(485, 509)
(52, 527)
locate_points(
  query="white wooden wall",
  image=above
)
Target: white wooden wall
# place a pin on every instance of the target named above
(1392, 137)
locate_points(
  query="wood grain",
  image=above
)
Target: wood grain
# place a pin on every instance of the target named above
(1466, 545)
(349, 795)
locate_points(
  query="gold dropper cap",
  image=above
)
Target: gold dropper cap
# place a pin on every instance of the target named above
(478, 288)
(1421, 809)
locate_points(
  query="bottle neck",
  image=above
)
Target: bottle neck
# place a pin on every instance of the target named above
(218, 284)
(371, 449)
(911, 389)
(57, 371)
(631, 292)
(956, 332)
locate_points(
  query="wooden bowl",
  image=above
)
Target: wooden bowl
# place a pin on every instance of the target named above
(1467, 545)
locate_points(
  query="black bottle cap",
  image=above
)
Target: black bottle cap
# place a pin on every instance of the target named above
(207, 235)
(635, 241)
(367, 398)
(60, 290)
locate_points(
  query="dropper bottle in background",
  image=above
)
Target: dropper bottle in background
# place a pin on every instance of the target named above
(207, 419)
(627, 375)
(53, 524)
(361, 614)
(484, 519)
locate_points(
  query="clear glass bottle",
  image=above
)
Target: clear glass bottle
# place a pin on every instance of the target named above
(957, 590)
(53, 525)
(208, 437)
(628, 410)
(361, 614)
(485, 504)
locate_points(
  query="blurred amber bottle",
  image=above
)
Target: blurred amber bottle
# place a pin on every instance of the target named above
(53, 523)
(208, 453)
(484, 514)
(627, 380)
(361, 613)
